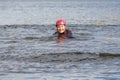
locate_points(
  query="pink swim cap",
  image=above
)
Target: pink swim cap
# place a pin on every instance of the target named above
(60, 21)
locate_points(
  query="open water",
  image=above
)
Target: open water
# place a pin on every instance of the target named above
(28, 50)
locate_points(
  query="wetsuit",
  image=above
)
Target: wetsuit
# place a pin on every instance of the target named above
(66, 34)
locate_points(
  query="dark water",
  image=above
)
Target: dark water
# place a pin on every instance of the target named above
(28, 50)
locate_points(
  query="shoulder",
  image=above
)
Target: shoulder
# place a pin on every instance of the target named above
(55, 34)
(69, 33)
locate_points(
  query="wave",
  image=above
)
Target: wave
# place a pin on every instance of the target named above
(61, 57)
(46, 25)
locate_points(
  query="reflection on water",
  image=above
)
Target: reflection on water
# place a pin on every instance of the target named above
(61, 40)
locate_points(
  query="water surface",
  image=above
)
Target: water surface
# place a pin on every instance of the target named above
(28, 50)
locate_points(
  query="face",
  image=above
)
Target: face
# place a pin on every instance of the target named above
(61, 28)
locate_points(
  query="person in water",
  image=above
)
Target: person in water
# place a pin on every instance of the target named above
(62, 32)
